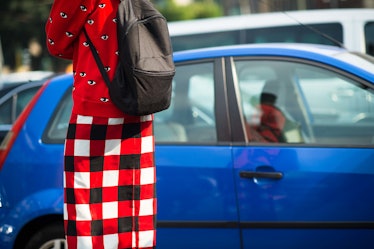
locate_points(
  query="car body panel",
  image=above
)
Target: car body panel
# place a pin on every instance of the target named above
(292, 204)
(195, 182)
(39, 189)
(39, 204)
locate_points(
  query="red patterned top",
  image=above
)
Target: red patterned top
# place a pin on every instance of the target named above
(66, 39)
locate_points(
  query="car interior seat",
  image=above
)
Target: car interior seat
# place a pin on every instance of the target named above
(169, 132)
(169, 126)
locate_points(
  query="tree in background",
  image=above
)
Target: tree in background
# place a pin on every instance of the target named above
(23, 37)
(22, 23)
(176, 11)
(22, 33)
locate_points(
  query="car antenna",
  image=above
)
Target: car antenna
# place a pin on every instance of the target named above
(334, 41)
(329, 38)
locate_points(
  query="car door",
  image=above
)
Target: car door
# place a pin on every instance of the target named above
(305, 173)
(195, 183)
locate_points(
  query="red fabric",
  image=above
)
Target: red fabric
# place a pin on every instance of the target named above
(65, 39)
(272, 123)
(109, 183)
(253, 135)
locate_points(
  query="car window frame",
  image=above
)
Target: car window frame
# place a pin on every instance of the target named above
(221, 111)
(220, 103)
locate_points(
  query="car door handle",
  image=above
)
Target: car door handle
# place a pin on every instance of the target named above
(259, 174)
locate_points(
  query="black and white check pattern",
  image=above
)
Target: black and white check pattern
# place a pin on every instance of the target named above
(109, 182)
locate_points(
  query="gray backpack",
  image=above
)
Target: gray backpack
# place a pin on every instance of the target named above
(143, 80)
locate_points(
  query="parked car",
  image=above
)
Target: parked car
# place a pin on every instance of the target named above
(16, 90)
(227, 177)
(351, 28)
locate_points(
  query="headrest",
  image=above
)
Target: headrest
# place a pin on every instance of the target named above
(269, 92)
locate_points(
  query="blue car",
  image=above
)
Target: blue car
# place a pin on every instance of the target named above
(263, 146)
(16, 90)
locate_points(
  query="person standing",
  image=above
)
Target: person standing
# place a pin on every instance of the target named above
(109, 172)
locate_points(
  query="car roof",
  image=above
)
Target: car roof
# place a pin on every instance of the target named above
(356, 63)
(269, 19)
(9, 80)
(7, 93)
(262, 49)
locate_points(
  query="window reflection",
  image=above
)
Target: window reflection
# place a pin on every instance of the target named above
(288, 102)
(190, 117)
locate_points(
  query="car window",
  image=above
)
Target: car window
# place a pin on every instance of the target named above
(291, 33)
(192, 41)
(58, 126)
(190, 117)
(292, 102)
(12, 107)
(369, 37)
(297, 33)
(23, 98)
(6, 112)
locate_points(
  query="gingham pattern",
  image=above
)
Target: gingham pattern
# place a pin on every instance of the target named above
(109, 182)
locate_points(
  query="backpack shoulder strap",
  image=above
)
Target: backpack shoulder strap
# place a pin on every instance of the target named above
(97, 59)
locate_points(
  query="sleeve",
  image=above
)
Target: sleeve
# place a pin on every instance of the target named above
(64, 25)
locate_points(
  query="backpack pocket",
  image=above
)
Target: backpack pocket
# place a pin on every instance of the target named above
(153, 90)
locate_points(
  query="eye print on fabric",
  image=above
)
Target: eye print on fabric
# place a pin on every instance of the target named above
(83, 8)
(102, 5)
(68, 34)
(107, 69)
(117, 52)
(51, 42)
(90, 22)
(104, 37)
(91, 82)
(82, 74)
(63, 15)
(114, 20)
(50, 20)
(103, 99)
(86, 44)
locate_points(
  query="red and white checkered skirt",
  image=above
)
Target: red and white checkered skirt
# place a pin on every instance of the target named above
(109, 183)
